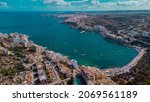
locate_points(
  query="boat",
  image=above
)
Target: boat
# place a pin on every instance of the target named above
(82, 32)
(83, 54)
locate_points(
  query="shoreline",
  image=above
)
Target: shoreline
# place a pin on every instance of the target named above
(108, 36)
(126, 68)
(45, 66)
(118, 70)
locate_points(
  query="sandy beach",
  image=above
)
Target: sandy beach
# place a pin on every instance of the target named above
(126, 68)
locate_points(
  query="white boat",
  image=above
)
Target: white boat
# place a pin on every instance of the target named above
(82, 32)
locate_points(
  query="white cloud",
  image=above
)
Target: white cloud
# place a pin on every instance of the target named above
(75, 3)
(97, 4)
(86, 2)
(128, 4)
(134, 2)
(3, 5)
(57, 2)
(114, 5)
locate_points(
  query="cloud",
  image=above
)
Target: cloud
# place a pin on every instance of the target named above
(71, 3)
(96, 4)
(134, 3)
(113, 4)
(56, 2)
(86, 2)
(128, 4)
(3, 5)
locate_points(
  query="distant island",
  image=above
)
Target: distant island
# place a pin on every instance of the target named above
(24, 62)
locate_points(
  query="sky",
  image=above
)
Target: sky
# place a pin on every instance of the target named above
(73, 5)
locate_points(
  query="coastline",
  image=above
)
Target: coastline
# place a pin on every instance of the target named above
(131, 64)
(74, 21)
(120, 70)
(126, 68)
(43, 66)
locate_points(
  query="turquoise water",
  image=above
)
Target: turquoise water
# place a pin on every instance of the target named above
(79, 80)
(88, 48)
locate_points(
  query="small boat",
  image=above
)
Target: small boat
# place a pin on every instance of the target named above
(75, 50)
(82, 32)
(83, 54)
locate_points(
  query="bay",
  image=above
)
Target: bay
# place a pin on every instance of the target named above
(88, 48)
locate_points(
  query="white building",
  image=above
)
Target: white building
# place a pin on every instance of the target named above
(28, 44)
(42, 76)
(74, 63)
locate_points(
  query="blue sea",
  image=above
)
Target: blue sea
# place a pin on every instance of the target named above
(88, 48)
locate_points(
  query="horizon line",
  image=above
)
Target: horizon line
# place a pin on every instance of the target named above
(70, 10)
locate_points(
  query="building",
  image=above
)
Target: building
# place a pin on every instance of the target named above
(4, 51)
(74, 63)
(39, 49)
(52, 73)
(25, 38)
(17, 40)
(49, 54)
(27, 44)
(88, 75)
(42, 76)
